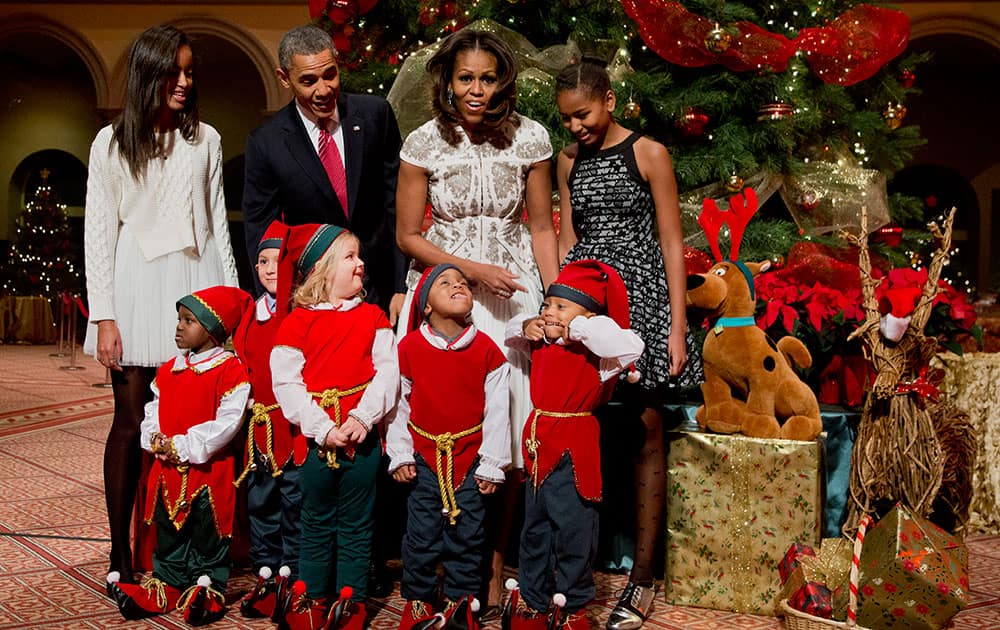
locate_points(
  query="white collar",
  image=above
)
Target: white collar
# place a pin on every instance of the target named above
(265, 307)
(442, 343)
(202, 361)
(346, 305)
(311, 125)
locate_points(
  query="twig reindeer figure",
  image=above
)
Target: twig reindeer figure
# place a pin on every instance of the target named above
(750, 386)
(897, 456)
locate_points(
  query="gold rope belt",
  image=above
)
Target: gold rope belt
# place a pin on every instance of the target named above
(445, 444)
(261, 415)
(531, 444)
(331, 398)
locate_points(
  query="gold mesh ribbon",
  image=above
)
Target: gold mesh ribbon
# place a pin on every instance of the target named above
(331, 398)
(261, 414)
(531, 444)
(444, 444)
(742, 460)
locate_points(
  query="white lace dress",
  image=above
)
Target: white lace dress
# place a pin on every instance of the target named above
(476, 193)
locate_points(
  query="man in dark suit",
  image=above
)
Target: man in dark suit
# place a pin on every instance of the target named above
(295, 174)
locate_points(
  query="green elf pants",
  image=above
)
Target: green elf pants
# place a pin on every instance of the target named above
(182, 556)
(337, 523)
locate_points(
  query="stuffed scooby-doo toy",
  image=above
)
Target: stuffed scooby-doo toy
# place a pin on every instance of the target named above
(750, 386)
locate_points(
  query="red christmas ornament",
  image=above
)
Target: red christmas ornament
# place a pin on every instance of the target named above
(393, 59)
(692, 122)
(696, 261)
(426, 16)
(891, 235)
(448, 9)
(907, 78)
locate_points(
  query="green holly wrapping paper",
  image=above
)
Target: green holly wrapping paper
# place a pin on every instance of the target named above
(734, 506)
(913, 574)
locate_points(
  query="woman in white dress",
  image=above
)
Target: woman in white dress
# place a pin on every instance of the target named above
(154, 230)
(481, 165)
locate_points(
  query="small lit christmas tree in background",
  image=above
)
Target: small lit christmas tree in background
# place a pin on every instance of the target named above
(41, 260)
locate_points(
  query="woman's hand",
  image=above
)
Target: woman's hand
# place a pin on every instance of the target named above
(677, 350)
(109, 344)
(405, 473)
(494, 279)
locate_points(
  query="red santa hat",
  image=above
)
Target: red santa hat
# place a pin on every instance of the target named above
(218, 309)
(423, 289)
(302, 247)
(899, 301)
(274, 237)
(594, 286)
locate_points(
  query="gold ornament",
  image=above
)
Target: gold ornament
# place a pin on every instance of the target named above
(894, 114)
(632, 110)
(734, 183)
(718, 40)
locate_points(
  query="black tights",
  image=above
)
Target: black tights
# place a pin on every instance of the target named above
(123, 460)
(650, 472)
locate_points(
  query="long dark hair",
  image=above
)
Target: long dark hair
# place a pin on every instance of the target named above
(442, 65)
(589, 75)
(151, 63)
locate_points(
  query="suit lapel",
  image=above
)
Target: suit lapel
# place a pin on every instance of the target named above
(302, 151)
(354, 143)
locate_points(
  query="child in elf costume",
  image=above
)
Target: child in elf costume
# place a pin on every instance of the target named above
(199, 399)
(450, 440)
(335, 374)
(579, 344)
(276, 449)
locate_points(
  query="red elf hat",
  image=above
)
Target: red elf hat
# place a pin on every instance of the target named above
(218, 309)
(302, 247)
(274, 237)
(594, 286)
(419, 301)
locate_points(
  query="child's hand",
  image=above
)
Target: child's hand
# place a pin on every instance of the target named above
(335, 438)
(353, 431)
(534, 329)
(405, 473)
(486, 487)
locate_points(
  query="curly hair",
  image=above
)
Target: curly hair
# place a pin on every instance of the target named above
(441, 67)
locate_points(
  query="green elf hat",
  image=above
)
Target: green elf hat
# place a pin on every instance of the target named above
(218, 309)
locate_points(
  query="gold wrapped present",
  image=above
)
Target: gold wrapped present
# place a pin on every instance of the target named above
(734, 506)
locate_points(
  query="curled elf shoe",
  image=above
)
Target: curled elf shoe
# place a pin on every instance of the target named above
(339, 610)
(302, 612)
(263, 598)
(415, 612)
(521, 616)
(137, 601)
(561, 620)
(201, 604)
(633, 607)
(462, 615)
(353, 616)
(283, 593)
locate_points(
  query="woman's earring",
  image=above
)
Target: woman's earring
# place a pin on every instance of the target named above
(450, 94)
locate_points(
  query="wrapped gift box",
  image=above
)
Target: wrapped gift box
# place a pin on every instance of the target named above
(734, 506)
(829, 566)
(913, 574)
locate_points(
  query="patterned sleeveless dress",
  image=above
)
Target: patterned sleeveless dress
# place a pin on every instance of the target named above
(614, 219)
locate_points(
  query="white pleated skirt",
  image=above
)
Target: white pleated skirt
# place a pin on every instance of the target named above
(490, 314)
(146, 293)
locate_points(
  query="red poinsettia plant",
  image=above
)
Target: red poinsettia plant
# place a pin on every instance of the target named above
(817, 297)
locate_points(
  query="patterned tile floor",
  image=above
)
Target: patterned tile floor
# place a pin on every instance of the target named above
(53, 530)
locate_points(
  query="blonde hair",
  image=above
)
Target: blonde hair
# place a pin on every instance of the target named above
(312, 291)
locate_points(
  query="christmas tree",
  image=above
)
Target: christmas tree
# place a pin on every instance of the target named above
(41, 261)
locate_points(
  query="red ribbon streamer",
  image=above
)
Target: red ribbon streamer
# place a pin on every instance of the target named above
(849, 49)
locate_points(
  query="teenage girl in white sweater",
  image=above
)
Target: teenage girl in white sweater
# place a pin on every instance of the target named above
(154, 230)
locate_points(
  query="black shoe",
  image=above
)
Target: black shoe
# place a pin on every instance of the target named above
(380, 585)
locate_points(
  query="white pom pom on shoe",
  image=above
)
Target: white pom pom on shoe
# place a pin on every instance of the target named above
(285, 571)
(265, 573)
(114, 577)
(510, 584)
(559, 600)
(474, 605)
(204, 581)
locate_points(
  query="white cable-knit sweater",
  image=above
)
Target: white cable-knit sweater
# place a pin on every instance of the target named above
(175, 207)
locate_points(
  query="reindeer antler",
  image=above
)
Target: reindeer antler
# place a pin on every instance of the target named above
(742, 207)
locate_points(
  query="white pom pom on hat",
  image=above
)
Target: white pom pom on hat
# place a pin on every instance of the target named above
(633, 376)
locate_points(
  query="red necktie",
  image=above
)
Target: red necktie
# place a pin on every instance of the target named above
(329, 155)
